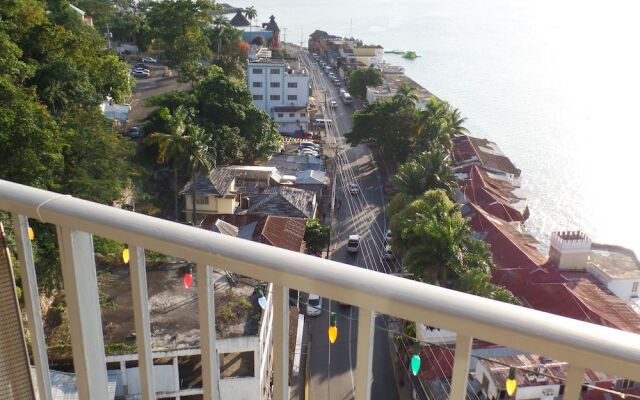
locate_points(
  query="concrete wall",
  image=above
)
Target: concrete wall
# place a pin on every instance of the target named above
(216, 205)
(623, 288)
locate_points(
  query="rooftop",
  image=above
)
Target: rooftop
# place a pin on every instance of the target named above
(615, 262)
(218, 183)
(393, 81)
(284, 232)
(557, 369)
(281, 201)
(491, 156)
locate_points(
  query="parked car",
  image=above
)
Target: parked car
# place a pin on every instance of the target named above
(388, 236)
(387, 254)
(140, 65)
(334, 104)
(309, 152)
(309, 145)
(354, 188)
(134, 132)
(353, 243)
(342, 91)
(142, 70)
(149, 60)
(140, 74)
(314, 305)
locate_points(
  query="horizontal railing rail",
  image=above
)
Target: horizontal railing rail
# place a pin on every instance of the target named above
(581, 344)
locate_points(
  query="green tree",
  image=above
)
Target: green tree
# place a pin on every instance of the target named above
(360, 78)
(388, 124)
(437, 124)
(172, 143)
(201, 160)
(316, 235)
(428, 170)
(250, 13)
(182, 27)
(406, 96)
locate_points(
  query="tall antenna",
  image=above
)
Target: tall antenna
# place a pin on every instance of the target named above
(284, 36)
(301, 35)
(351, 28)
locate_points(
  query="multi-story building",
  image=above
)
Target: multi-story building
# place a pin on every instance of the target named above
(281, 88)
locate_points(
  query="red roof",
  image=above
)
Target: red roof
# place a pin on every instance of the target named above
(524, 270)
(284, 232)
(486, 153)
(493, 195)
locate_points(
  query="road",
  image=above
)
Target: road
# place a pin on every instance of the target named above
(332, 366)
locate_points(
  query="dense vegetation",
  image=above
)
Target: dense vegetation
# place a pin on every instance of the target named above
(359, 79)
(430, 233)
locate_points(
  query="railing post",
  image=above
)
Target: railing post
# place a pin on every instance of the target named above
(32, 305)
(140, 300)
(573, 384)
(83, 305)
(366, 321)
(280, 342)
(461, 368)
(207, 314)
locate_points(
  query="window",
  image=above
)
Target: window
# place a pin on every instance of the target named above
(634, 289)
(202, 200)
(275, 71)
(257, 84)
(236, 365)
(292, 84)
(275, 84)
(292, 115)
(292, 97)
(303, 115)
(257, 97)
(280, 115)
(274, 97)
(257, 71)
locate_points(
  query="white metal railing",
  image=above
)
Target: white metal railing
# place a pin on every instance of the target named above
(581, 344)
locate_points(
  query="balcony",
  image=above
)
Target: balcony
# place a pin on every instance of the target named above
(582, 345)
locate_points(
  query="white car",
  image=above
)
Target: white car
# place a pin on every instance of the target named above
(353, 243)
(140, 74)
(387, 237)
(354, 188)
(334, 104)
(149, 60)
(387, 254)
(314, 305)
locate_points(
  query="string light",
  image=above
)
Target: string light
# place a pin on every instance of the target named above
(510, 381)
(125, 255)
(261, 299)
(415, 359)
(333, 329)
(511, 384)
(31, 234)
(188, 276)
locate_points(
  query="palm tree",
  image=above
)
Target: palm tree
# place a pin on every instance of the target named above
(406, 96)
(251, 13)
(454, 123)
(201, 160)
(173, 143)
(429, 170)
(432, 127)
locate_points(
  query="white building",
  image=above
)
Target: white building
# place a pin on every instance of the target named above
(281, 88)
(615, 267)
(533, 376)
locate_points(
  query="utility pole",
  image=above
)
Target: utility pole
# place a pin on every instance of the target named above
(284, 36)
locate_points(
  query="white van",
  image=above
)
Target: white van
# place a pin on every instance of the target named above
(314, 305)
(353, 243)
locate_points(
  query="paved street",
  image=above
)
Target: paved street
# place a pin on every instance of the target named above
(332, 366)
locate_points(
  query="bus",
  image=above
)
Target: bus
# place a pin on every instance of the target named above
(346, 98)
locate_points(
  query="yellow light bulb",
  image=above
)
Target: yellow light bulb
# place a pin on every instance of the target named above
(333, 334)
(511, 384)
(31, 234)
(125, 255)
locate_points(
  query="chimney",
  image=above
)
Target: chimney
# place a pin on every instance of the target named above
(569, 250)
(245, 203)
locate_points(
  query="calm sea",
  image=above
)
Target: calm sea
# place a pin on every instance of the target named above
(555, 83)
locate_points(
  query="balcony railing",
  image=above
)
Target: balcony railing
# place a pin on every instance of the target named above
(581, 344)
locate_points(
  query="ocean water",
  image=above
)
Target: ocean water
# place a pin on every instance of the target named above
(555, 83)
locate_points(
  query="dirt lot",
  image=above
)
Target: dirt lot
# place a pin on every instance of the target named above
(173, 308)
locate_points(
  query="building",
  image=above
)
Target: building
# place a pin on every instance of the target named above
(369, 55)
(281, 88)
(469, 150)
(392, 80)
(579, 343)
(533, 377)
(617, 268)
